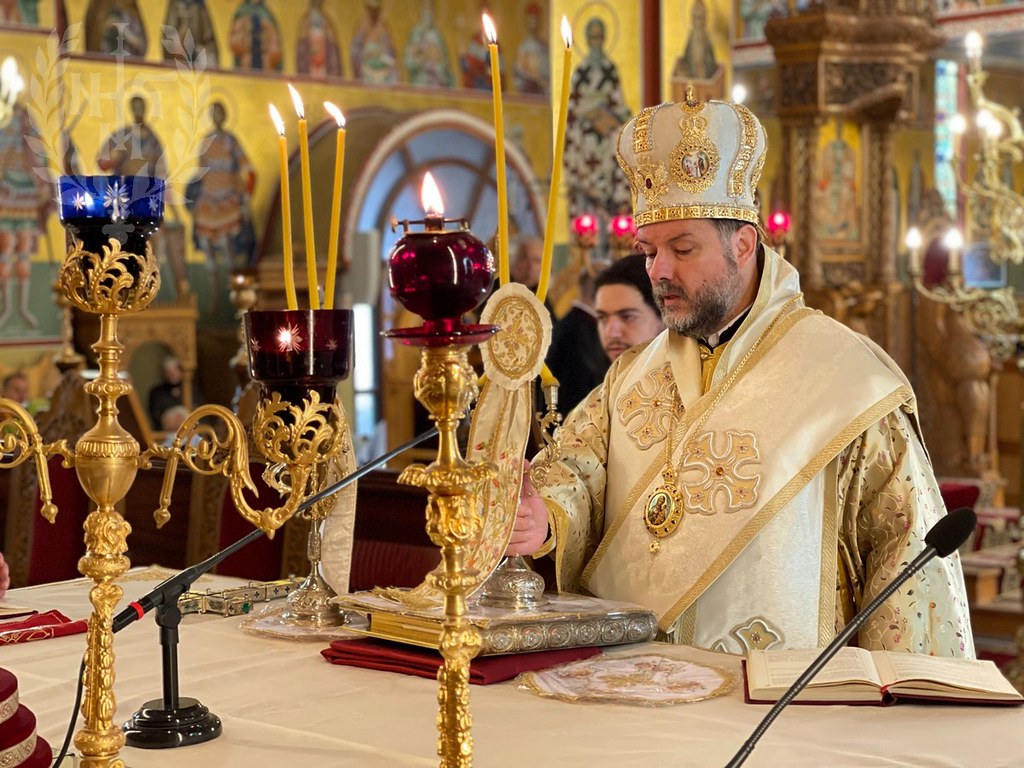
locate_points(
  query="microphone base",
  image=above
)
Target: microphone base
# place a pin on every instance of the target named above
(155, 727)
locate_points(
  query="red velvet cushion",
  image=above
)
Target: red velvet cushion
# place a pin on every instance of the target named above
(21, 730)
(41, 758)
(8, 688)
(17, 728)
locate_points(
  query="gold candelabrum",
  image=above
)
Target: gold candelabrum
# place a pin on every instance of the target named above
(990, 314)
(996, 209)
(440, 274)
(110, 270)
(298, 429)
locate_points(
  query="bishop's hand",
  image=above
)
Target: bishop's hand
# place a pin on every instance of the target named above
(531, 526)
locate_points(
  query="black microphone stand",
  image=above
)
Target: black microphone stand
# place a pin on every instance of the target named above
(172, 721)
(176, 721)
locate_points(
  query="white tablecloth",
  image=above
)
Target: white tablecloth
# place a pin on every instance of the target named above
(283, 705)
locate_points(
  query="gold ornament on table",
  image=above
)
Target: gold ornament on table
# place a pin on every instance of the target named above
(298, 357)
(110, 270)
(299, 429)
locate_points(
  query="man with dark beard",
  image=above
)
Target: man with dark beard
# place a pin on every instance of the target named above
(755, 473)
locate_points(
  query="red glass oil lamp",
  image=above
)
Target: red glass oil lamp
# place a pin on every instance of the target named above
(622, 227)
(292, 351)
(440, 274)
(778, 225)
(586, 228)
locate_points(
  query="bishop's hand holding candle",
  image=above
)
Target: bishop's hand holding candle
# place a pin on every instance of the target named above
(307, 202)
(286, 212)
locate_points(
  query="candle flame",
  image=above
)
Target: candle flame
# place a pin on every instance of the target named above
(430, 196)
(297, 101)
(278, 122)
(335, 113)
(566, 32)
(489, 31)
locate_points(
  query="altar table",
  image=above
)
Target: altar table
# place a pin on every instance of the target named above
(282, 705)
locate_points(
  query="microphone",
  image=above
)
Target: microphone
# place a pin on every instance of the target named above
(174, 586)
(943, 539)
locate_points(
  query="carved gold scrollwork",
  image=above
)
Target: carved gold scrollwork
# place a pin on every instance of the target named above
(295, 438)
(446, 385)
(114, 282)
(20, 440)
(290, 433)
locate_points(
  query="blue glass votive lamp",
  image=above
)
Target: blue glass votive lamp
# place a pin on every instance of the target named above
(95, 209)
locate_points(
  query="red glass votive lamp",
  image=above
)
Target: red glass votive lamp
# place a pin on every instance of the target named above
(622, 227)
(439, 273)
(294, 351)
(585, 227)
(778, 225)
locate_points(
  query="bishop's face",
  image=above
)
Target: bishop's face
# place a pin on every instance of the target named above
(700, 282)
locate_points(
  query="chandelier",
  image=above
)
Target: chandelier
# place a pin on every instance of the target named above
(995, 209)
(990, 314)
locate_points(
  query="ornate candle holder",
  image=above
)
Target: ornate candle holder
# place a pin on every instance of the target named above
(298, 357)
(440, 274)
(109, 270)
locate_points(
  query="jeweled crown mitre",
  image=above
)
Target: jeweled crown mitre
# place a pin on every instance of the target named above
(693, 160)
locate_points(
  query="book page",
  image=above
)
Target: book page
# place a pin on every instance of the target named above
(934, 673)
(778, 669)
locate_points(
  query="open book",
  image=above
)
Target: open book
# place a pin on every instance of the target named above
(876, 677)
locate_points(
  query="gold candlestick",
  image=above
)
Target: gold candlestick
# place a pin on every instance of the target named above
(446, 386)
(298, 357)
(110, 270)
(440, 274)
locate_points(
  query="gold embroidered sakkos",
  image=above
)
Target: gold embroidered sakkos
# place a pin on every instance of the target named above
(719, 474)
(644, 402)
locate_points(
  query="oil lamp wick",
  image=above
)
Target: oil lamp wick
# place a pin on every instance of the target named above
(433, 221)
